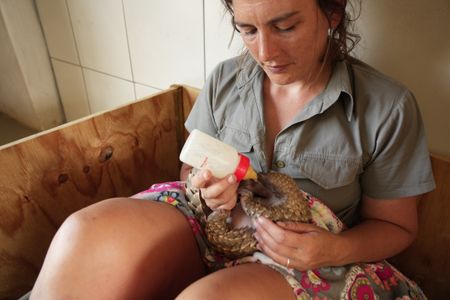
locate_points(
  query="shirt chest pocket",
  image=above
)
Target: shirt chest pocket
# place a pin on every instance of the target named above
(243, 143)
(327, 172)
(239, 139)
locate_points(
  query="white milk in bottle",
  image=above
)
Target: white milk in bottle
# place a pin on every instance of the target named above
(202, 151)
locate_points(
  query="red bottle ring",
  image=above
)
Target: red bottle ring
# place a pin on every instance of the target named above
(242, 167)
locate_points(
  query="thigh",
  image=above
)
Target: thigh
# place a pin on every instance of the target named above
(121, 249)
(247, 281)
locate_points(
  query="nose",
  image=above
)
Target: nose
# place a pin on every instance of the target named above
(267, 47)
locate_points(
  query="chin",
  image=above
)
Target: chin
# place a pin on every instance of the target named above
(280, 79)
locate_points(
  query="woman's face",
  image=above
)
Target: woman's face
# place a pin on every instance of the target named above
(288, 38)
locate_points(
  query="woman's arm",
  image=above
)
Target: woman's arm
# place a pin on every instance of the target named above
(388, 227)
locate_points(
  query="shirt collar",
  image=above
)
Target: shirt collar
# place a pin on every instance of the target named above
(249, 68)
(340, 85)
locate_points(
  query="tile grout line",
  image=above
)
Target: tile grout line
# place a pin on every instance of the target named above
(79, 57)
(129, 50)
(204, 41)
(36, 9)
(104, 73)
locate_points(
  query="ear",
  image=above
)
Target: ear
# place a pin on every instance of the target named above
(335, 19)
(336, 15)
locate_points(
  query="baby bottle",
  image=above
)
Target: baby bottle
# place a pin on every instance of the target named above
(202, 151)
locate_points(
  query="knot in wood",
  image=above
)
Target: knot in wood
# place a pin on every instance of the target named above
(106, 154)
(62, 178)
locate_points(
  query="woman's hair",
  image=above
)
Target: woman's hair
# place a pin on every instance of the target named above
(342, 39)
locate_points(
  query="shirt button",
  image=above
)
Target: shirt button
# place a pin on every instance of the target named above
(280, 164)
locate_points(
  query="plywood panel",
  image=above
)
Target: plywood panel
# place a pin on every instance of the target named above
(46, 178)
(189, 95)
(427, 261)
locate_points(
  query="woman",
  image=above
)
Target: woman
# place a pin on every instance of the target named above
(296, 103)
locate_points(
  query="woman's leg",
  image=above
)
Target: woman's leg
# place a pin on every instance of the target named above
(248, 281)
(120, 249)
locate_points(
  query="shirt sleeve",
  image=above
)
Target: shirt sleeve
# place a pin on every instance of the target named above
(400, 164)
(201, 116)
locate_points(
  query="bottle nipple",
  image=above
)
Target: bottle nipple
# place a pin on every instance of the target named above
(250, 174)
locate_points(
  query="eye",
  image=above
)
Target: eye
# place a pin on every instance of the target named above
(285, 29)
(246, 30)
(249, 32)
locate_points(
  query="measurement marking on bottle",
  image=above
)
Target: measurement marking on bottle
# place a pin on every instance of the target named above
(204, 163)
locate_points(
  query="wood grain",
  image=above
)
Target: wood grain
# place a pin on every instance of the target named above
(120, 152)
(48, 177)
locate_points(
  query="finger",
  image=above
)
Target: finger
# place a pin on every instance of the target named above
(269, 228)
(282, 259)
(216, 204)
(201, 178)
(299, 227)
(276, 236)
(273, 238)
(228, 205)
(218, 188)
(226, 200)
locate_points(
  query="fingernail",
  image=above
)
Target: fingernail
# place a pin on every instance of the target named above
(231, 179)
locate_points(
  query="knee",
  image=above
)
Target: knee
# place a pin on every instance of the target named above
(140, 245)
(208, 287)
(120, 219)
(124, 224)
(92, 221)
(89, 227)
(200, 290)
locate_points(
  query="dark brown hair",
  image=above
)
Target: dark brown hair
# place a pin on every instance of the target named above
(342, 39)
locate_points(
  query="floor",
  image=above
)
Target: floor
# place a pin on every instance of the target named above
(11, 130)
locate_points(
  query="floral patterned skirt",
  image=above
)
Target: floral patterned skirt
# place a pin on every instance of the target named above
(378, 280)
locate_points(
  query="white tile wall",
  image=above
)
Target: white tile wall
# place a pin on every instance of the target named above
(99, 28)
(72, 90)
(14, 98)
(143, 91)
(166, 41)
(218, 34)
(57, 27)
(149, 44)
(25, 36)
(106, 92)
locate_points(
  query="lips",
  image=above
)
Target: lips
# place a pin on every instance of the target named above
(276, 69)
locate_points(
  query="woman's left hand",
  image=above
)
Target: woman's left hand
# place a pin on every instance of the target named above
(296, 245)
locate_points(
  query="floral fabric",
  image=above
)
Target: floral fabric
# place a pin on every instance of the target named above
(378, 280)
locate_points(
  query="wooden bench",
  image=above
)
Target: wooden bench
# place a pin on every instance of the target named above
(46, 177)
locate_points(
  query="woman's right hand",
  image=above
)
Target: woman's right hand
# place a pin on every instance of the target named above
(217, 193)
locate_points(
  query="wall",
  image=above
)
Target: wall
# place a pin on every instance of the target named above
(109, 52)
(27, 87)
(105, 53)
(410, 41)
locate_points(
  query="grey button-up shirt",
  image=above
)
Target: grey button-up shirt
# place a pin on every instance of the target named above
(362, 135)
